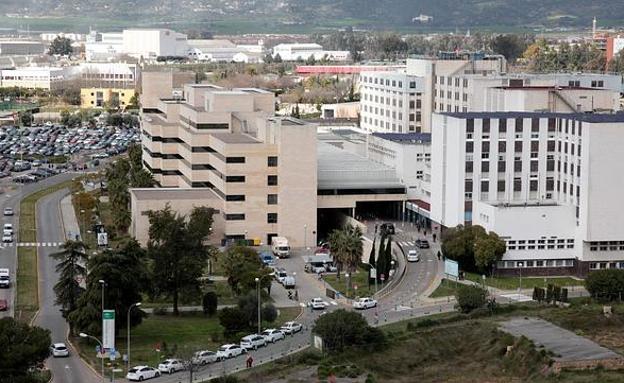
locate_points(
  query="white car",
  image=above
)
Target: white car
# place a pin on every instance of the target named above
(7, 238)
(8, 211)
(252, 342)
(272, 335)
(317, 304)
(8, 227)
(364, 303)
(230, 351)
(291, 327)
(205, 357)
(170, 366)
(59, 350)
(141, 373)
(412, 256)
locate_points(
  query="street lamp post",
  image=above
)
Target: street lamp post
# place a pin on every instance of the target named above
(128, 340)
(83, 335)
(258, 292)
(347, 285)
(520, 266)
(103, 285)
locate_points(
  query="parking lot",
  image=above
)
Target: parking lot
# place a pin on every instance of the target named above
(32, 153)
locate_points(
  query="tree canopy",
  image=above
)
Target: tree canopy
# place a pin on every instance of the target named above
(342, 329)
(23, 349)
(178, 250)
(61, 46)
(472, 247)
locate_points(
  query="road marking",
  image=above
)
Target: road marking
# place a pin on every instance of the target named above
(517, 297)
(334, 303)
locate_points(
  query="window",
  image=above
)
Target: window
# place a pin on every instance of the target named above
(485, 166)
(235, 179)
(271, 161)
(501, 186)
(235, 160)
(486, 125)
(485, 186)
(235, 198)
(502, 125)
(469, 146)
(272, 218)
(519, 125)
(235, 217)
(272, 199)
(272, 180)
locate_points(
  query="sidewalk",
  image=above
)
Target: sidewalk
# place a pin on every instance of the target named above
(71, 228)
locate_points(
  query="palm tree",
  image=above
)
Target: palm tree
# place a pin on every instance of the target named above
(71, 267)
(347, 248)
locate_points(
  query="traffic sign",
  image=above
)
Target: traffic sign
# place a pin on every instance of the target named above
(97, 349)
(382, 277)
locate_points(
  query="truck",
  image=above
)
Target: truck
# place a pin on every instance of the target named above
(5, 279)
(280, 247)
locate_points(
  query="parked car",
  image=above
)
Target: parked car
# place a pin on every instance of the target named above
(228, 351)
(272, 335)
(8, 211)
(141, 373)
(252, 342)
(318, 304)
(364, 303)
(412, 256)
(291, 328)
(315, 268)
(422, 243)
(170, 366)
(4, 305)
(7, 238)
(267, 258)
(205, 357)
(59, 350)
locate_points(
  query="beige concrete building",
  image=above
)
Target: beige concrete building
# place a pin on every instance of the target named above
(224, 149)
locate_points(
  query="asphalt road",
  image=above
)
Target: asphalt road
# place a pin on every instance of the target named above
(49, 229)
(11, 197)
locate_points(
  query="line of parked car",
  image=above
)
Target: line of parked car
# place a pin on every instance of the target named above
(226, 351)
(58, 140)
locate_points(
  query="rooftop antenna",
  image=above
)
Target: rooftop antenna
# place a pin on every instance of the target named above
(594, 28)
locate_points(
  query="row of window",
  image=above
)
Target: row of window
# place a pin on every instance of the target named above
(271, 217)
(606, 265)
(449, 81)
(535, 263)
(606, 245)
(387, 82)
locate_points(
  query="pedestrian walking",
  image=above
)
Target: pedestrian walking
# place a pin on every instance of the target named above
(249, 361)
(439, 255)
(434, 237)
(296, 295)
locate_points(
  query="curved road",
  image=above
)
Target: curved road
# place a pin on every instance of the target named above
(50, 229)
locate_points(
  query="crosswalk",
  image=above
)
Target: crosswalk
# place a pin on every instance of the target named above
(406, 243)
(31, 244)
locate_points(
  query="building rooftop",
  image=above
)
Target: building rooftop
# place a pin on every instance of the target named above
(235, 138)
(405, 138)
(585, 117)
(173, 194)
(341, 169)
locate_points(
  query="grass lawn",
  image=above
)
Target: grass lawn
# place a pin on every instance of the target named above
(359, 279)
(186, 333)
(513, 283)
(446, 289)
(27, 298)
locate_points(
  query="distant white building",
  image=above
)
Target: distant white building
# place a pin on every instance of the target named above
(52, 36)
(146, 44)
(46, 78)
(303, 51)
(214, 50)
(22, 47)
(391, 102)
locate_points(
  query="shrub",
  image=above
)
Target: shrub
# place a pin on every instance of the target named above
(233, 320)
(341, 329)
(210, 302)
(605, 285)
(470, 298)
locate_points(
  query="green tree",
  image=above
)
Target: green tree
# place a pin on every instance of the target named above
(470, 298)
(126, 276)
(488, 249)
(26, 118)
(233, 320)
(248, 304)
(606, 285)
(178, 250)
(509, 45)
(24, 348)
(347, 248)
(71, 267)
(61, 46)
(210, 301)
(342, 329)
(242, 266)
